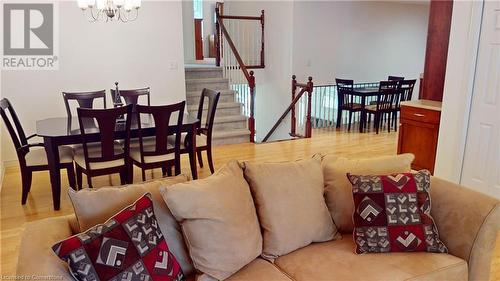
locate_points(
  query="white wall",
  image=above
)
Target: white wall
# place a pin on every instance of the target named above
(273, 82)
(208, 24)
(365, 41)
(459, 81)
(147, 52)
(188, 31)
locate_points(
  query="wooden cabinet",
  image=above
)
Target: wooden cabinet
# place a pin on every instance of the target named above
(418, 132)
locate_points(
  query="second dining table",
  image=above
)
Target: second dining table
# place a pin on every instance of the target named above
(364, 93)
(66, 131)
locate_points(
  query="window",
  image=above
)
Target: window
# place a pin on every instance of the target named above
(198, 9)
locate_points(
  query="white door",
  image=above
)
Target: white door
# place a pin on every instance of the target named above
(481, 166)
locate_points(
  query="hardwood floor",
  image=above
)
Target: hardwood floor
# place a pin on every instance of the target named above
(13, 216)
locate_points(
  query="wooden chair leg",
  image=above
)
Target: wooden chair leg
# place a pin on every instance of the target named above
(79, 173)
(200, 159)
(395, 121)
(130, 173)
(123, 176)
(164, 169)
(377, 122)
(89, 179)
(143, 173)
(389, 122)
(169, 170)
(350, 120)
(26, 184)
(210, 159)
(339, 117)
(71, 176)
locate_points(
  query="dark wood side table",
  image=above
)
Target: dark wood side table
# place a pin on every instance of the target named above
(418, 132)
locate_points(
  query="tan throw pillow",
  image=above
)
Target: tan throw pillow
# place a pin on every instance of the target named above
(218, 221)
(95, 205)
(338, 189)
(290, 204)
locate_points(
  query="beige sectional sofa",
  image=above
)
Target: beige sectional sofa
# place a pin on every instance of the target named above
(468, 224)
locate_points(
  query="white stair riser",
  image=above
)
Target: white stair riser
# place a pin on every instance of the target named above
(214, 85)
(194, 100)
(193, 74)
(220, 111)
(230, 125)
(231, 140)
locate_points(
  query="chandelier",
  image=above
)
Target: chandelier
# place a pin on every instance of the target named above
(109, 10)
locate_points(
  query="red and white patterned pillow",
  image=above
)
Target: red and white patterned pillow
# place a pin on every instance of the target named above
(128, 246)
(392, 214)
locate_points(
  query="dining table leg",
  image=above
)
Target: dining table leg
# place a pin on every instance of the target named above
(192, 152)
(52, 150)
(363, 114)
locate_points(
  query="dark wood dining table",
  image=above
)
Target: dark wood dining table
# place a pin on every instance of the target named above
(66, 131)
(364, 93)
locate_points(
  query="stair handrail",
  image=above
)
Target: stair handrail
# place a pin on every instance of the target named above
(304, 88)
(249, 75)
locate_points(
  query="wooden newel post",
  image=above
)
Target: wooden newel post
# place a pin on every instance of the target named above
(294, 120)
(217, 38)
(251, 120)
(310, 86)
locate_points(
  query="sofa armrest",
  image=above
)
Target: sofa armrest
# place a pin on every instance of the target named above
(468, 223)
(36, 257)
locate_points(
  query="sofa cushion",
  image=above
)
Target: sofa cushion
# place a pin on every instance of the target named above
(336, 260)
(128, 245)
(218, 220)
(338, 189)
(95, 205)
(36, 257)
(290, 204)
(259, 269)
(392, 213)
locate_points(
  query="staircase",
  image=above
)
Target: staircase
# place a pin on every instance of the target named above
(230, 125)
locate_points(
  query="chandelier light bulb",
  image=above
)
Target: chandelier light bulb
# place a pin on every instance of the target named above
(83, 4)
(119, 3)
(101, 4)
(136, 3)
(128, 5)
(90, 3)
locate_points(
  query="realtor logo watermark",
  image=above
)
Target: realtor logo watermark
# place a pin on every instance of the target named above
(29, 36)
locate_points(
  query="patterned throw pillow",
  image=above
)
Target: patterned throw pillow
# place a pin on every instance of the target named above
(128, 246)
(392, 214)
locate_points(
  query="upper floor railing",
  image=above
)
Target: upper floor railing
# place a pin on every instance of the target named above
(314, 106)
(239, 48)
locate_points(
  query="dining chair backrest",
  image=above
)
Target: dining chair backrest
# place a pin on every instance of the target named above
(345, 88)
(387, 94)
(132, 96)
(84, 99)
(161, 116)
(213, 100)
(395, 78)
(105, 121)
(406, 89)
(12, 123)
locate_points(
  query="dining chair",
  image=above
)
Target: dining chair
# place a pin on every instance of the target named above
(161, 154)
(84, 99)
(395, 78)
(387, 93)
(204, 133)
(346, 100)
(405, 92)
(132, 96)
(108, 157)
(32, 160)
